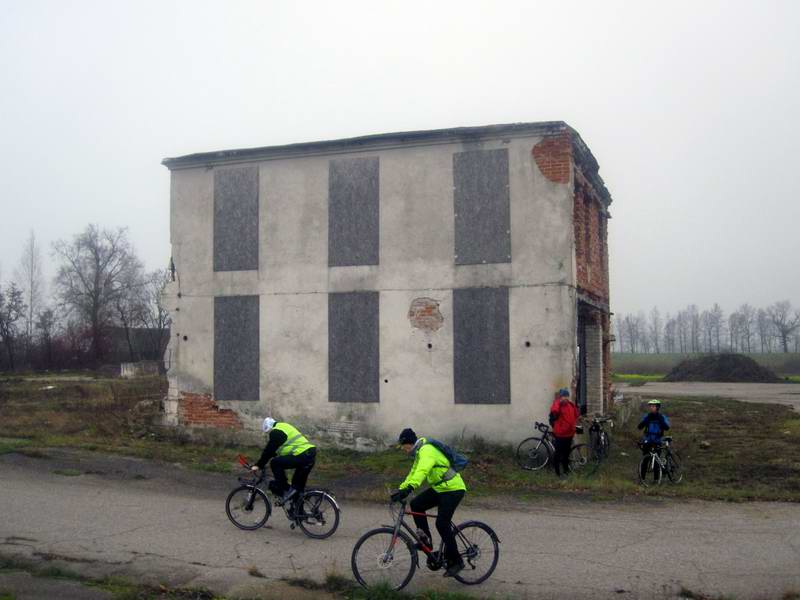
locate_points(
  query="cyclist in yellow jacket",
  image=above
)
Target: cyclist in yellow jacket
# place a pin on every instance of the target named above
(446, 491)
(287, 448)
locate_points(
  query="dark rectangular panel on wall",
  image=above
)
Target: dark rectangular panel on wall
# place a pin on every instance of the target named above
(353, 211)
(482, 208)
(236, 348)
(353, 347)
(236, 219)
(480, 346)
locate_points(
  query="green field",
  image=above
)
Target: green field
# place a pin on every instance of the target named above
(655, 365)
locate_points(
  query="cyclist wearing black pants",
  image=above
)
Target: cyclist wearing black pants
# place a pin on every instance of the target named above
(654, 425)
(287, 448)
(446, 491)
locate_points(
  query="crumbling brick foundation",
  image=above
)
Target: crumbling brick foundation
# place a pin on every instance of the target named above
(201, 410)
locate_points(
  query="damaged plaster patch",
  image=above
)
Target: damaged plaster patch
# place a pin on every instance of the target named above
(424, 314)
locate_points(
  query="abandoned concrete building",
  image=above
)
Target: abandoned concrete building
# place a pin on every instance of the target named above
(446, 280)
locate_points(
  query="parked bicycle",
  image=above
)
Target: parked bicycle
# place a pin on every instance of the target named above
(599, 438)
(670, 463)
(534, 453)
(248, 507)
(389, 555)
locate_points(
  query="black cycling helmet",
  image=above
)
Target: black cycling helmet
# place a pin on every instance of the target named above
(407, 436)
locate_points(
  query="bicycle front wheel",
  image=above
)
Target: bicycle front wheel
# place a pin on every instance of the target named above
(248, 507)
(674, 467)
(380, 559)
(649, 464)
(578, 456)
(319, 515)
(532, 454)
(480, 551)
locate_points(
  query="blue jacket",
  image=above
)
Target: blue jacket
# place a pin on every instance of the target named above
(654, 426)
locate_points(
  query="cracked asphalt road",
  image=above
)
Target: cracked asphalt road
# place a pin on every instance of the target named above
(160, 523)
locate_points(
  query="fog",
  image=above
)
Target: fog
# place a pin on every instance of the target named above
(691, 109)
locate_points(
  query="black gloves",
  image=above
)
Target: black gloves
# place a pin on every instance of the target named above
(400, 495)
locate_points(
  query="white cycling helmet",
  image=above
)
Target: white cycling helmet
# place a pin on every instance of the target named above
(268, 424)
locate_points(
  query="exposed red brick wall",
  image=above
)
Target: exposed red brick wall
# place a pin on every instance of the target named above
(591, 243)
(553, 156)
(200, 409)
(606, 323)
(590, 223)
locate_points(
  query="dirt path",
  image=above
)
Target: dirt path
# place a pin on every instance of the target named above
(765, 393)
(160, 523)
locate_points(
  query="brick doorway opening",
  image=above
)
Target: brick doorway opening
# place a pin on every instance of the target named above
(590, 368)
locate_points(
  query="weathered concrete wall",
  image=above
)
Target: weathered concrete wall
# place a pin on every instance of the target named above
(417, 241)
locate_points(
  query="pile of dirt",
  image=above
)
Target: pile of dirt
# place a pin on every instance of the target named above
(724, 368)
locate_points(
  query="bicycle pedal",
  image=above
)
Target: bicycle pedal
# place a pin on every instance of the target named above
(292, 525)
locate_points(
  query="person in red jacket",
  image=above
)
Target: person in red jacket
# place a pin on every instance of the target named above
(563, 418)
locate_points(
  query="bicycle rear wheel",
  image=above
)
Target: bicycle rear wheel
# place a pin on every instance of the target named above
(674, 467)
(319, 514)
(248, 507)
(578, 456)
(480, 551)
(376, 562)
(532, 454)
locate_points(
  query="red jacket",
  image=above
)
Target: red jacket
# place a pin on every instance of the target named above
(566, 414)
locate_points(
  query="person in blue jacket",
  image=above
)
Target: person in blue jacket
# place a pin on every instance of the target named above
(654, 424)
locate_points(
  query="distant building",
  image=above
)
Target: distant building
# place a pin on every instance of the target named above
(447, 280)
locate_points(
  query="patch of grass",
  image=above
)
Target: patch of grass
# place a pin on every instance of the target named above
(67, 472)
(686, 594)
(255, 572)
(347, 589)
(750, 453)
(6, 595)
(636, 378)
(120, 588)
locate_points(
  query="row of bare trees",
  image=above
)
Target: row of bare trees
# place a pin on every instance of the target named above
(775, 328)
(103, 305)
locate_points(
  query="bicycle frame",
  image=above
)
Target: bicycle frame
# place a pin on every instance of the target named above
(654, 457)
(256, 483)
(400, 523)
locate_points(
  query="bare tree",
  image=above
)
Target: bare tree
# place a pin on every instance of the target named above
(45, 325)
(670, 334)
(717, 316)
(633, 333)
(130, 307)
(764, 327)
(12, 309)
(735, 332)
(784, 320)
(94, 273)
(154, 316)
(694, 327)
(655, 329)
(31, 278)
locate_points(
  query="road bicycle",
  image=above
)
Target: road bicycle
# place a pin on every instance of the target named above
(599, 438)
(670, 463)
(388, 555)
(248, 507)
(534, 453)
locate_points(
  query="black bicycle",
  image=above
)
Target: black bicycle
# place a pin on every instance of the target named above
(652, 462)
(248, 507)
(534, 453)
(388, 555)
(599, 438)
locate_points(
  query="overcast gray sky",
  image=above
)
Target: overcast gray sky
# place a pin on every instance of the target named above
(691, 108)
